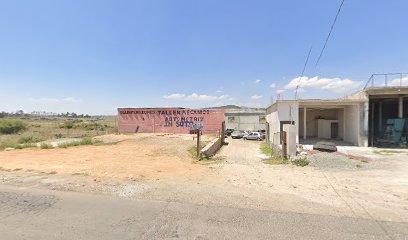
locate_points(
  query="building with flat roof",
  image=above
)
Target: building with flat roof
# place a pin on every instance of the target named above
(251, 119)
(375, 116)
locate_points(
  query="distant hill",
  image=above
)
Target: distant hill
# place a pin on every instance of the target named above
(227, 107)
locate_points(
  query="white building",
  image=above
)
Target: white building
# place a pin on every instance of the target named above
(366, 118)
(250, 119)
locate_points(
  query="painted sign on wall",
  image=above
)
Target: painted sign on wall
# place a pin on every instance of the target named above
(169, 120)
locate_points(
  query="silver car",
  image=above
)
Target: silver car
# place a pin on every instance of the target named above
(253, 136)
(237, 134)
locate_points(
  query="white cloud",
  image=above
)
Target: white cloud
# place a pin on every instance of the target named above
(256, 97)
(280, 91)
(200, 97)
(273, 85)
(399, 81)
(175, 96)
(219, 91)
(197, 97)
(70, 99)
(300, 90)
(257, 81)
(331, 84)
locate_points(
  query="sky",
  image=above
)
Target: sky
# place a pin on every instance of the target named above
(93, 56)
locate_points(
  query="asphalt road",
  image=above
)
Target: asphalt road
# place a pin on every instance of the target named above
(42, 214)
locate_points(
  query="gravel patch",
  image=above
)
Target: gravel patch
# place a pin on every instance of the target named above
(334, 161)
(126, 190)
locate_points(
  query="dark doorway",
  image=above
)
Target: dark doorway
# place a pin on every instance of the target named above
(334, 128)
(385, 130)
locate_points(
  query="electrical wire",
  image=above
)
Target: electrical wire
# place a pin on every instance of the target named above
(328, 36)
(303, 72)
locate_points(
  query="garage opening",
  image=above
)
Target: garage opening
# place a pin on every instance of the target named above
(321, 123)
(388, 121)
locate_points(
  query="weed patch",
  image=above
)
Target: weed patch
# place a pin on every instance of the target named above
(273, 159)
(301, 162)
(46, 146)
(82, 142)
(276, 160)
(265, 149)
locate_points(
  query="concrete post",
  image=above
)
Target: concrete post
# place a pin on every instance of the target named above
(291, 134)
(380, 108)
(363, 139)
(400, 107)
(344, 123)
(304, 123)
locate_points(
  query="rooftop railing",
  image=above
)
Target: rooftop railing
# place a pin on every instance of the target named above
(387, 80)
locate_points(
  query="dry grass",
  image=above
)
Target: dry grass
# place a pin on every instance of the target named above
(47, 128)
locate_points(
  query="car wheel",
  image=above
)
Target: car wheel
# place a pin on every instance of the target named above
(245, 139)
(259, 139)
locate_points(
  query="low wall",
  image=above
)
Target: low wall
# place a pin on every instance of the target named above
(211, 148)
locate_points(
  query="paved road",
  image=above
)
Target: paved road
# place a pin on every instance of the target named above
(40, 214)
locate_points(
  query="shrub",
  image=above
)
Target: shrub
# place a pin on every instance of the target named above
(9, 126)
(301, 162)
(67, 125)
(92, 126)
(58, 135)
(45, 146)
(29, 139)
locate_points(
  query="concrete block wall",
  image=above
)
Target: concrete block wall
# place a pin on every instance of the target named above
(211, 148)
(169, 120)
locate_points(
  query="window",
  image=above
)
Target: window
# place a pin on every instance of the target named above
(231, 119)
(262, 119)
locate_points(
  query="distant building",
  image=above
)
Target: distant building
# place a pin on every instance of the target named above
(246, 119)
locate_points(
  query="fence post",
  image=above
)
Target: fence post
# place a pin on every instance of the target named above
(198, 143)
(284, 145)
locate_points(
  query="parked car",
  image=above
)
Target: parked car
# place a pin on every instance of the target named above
(247, 132)
(237, 134)
(253, 136)
(229, 131)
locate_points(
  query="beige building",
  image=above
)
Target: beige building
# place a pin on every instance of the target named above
(375, 116)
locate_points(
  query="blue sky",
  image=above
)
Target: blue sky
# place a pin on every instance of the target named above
(94, 56)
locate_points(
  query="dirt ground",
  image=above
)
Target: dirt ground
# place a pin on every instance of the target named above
(141, 156)
(366, 185)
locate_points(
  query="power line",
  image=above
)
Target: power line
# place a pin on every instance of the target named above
(328, 36)
(303, 72)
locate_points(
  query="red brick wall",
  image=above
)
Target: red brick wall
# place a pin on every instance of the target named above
(169, 120)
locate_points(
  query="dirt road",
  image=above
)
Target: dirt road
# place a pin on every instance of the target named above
(160, 168)
(42, 214)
